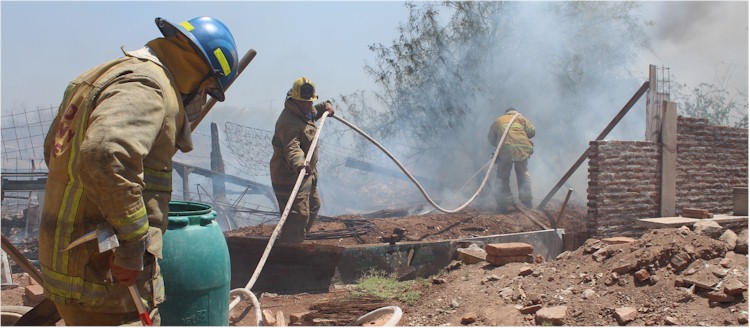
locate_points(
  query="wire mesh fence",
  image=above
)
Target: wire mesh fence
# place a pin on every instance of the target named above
(23, 139)
(23, 136)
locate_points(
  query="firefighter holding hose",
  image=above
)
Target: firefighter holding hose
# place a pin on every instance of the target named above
(293, 135)
(109, 152)
(514, 153)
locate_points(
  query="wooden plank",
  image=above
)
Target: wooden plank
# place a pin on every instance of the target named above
(667, 222)
(678, 221)
(653, 113)
(669, 160)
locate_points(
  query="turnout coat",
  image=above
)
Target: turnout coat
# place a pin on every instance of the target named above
(109, 153)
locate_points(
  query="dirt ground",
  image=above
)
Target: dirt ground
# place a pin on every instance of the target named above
(373, 228)
(597, 284)
(665, 277)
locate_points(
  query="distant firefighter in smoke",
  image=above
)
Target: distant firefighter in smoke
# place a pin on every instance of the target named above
(515, 152)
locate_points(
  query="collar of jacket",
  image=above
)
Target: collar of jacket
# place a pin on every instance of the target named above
(144, 53)
(289, 105)
(188, 68)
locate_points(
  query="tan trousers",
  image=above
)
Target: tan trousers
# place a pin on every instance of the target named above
(303, 212)
(505, 196)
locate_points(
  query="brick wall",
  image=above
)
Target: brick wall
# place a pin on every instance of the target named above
(711, 161)
(624, 183)
(625, 176)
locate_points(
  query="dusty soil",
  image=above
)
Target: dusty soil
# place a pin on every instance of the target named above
(597, 284)
(373, 228)
(691, 279)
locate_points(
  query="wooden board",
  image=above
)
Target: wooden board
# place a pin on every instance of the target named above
(678, 221)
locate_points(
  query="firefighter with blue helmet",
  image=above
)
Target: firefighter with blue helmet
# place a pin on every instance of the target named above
(109, 153)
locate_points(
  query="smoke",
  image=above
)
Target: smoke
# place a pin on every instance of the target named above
(562, 65)
(685, 21)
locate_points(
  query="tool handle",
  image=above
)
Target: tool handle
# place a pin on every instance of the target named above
(22, 261)
(246, 59)
(142, 311)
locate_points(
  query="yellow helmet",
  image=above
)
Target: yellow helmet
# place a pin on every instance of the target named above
(302, 89)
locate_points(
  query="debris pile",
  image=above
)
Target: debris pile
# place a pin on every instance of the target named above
(675, 276)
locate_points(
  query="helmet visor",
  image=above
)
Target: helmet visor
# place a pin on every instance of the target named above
(306, 91)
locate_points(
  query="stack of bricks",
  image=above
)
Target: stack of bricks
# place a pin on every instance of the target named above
(501, 254)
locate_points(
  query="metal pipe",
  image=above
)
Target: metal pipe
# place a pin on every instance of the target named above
(562, 210)
(601, 136)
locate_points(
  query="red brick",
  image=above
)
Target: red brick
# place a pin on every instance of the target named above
(33, 295)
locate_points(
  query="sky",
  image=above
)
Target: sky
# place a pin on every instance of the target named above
(43, 45)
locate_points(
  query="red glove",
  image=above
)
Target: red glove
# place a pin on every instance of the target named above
(124, 277)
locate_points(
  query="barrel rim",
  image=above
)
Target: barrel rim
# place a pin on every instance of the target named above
(201, 208)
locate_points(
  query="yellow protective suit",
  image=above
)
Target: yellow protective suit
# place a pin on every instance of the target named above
(109, 153)
(514, 152)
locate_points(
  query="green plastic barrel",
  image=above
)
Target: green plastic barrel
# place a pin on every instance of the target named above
(196, 268)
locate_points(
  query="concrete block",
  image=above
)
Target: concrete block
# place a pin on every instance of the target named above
(506, 249)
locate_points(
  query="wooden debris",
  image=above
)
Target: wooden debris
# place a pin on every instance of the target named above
(342, 312)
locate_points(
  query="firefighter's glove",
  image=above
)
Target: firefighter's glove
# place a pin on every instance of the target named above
(306, 167)
(127, 260)
(329, 107)
(125, 277)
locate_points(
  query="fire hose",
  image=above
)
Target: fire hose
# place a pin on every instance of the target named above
(246, 291)
(419, 186)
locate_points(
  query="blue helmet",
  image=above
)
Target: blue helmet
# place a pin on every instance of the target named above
(213, 39)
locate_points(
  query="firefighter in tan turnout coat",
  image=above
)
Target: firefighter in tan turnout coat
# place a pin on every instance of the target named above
(109, 153)
(514, 153)
(293, 135)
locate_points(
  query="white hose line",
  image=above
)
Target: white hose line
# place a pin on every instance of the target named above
(247, 290)
(280, 224)
(256, 304)
(419, 186)
(472, 177)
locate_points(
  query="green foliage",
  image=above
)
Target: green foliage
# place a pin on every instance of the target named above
(379, 285)
(715, 103)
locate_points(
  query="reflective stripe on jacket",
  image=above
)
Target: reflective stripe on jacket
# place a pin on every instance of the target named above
(517, 145)
(109, 153)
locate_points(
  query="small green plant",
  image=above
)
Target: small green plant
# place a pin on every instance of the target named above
(378, 284)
